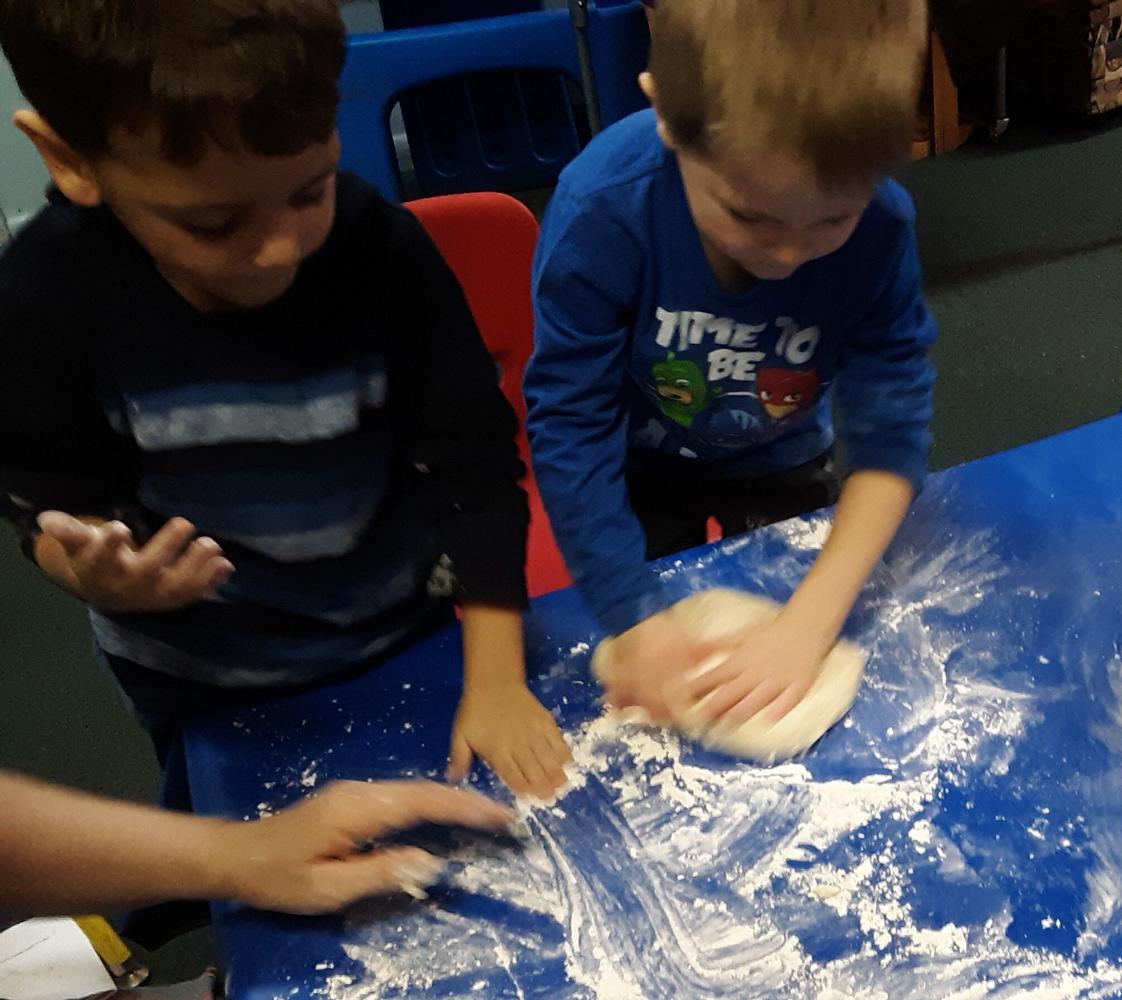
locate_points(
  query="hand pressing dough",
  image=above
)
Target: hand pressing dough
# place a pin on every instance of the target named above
(715, 614)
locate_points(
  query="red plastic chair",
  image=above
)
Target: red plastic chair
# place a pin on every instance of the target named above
(488, 240)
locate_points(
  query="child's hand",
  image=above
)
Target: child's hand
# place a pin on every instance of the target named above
(771, 669)
(510, 730)
(307, 859)
(650, 664)
(105, 567)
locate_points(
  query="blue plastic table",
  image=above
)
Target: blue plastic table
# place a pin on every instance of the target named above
(959, 835)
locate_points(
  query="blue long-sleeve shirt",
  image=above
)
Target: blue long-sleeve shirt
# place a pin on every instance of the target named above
(639, 351)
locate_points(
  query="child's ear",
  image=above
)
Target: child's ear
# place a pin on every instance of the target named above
(68, 169)
(647, 85)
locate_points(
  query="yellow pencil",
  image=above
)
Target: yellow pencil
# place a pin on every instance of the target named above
(113, 952)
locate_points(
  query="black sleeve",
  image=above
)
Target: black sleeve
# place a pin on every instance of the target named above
(456, 427)
(57, 450)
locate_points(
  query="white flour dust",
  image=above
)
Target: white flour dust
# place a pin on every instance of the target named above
(667, 872)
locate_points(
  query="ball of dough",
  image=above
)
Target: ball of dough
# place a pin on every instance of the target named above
(716, 614)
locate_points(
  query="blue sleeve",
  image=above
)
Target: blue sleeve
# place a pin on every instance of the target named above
(586, 275)
(885, 392)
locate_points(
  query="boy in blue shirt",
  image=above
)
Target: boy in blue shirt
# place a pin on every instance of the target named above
(713, 277)
(246, 415)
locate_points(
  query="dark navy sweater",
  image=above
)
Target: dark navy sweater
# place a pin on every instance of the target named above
(337, 443)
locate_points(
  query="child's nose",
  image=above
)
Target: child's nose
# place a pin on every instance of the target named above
(789, 253)
(280, 247)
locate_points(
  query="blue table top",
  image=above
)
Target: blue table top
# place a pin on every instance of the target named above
(959, 834)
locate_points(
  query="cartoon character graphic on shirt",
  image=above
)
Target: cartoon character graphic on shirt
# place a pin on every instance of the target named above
(681, 389)
(784, 392)
(729, 425)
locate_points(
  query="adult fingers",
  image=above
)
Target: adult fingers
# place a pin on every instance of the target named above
(371, 810)
(336, 884)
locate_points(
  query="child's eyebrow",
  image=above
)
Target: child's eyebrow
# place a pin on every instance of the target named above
(231, 206)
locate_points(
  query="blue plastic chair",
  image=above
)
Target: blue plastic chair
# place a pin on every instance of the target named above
(398, 14)
(437, 115)
(501, 141)
(620, 45)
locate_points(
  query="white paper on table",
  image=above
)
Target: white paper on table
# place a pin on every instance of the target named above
(50, 959)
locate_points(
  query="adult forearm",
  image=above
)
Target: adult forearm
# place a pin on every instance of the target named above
(871, 508)
(63, 851)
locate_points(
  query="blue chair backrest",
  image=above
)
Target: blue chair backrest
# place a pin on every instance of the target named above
(469, 128)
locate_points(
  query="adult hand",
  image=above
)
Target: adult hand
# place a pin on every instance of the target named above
(309, 859)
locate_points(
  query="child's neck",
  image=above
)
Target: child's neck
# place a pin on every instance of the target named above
(731, 277)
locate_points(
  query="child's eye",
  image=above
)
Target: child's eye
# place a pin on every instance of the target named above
(306, 199)
(211, 232)
(745, 220)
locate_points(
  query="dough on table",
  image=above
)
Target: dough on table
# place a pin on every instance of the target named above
(714, 614)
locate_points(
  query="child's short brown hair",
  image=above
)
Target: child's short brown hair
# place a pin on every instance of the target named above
(833, 82)
(259, 72)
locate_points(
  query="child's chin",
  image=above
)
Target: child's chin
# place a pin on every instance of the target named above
(773, 272)
(256, 295)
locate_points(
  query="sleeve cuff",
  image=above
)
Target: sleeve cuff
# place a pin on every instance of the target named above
(618, 608)
(488, 554)
(904, 462)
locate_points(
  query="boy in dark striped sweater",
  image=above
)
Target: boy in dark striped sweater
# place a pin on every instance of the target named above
(246, 414)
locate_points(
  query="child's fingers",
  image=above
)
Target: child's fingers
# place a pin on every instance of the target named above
(656, 707)
(166, 545)
(68, 531)
(187, 581)
(459, 759)
(220, 571)
(511, 773)
(619, 696)
(535, 773)
(558, 745)
(718, 700)
(101, 556)
(709, 676)
(740, 711)
(700, 650)
(786, 701)
(551, 764)
(202, 567)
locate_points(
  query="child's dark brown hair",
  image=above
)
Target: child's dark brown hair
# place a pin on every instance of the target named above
(259, 73)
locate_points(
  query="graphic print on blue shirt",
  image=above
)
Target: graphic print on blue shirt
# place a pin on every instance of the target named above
(731, 385)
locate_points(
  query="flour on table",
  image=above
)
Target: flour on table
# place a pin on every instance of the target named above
(716, 614)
